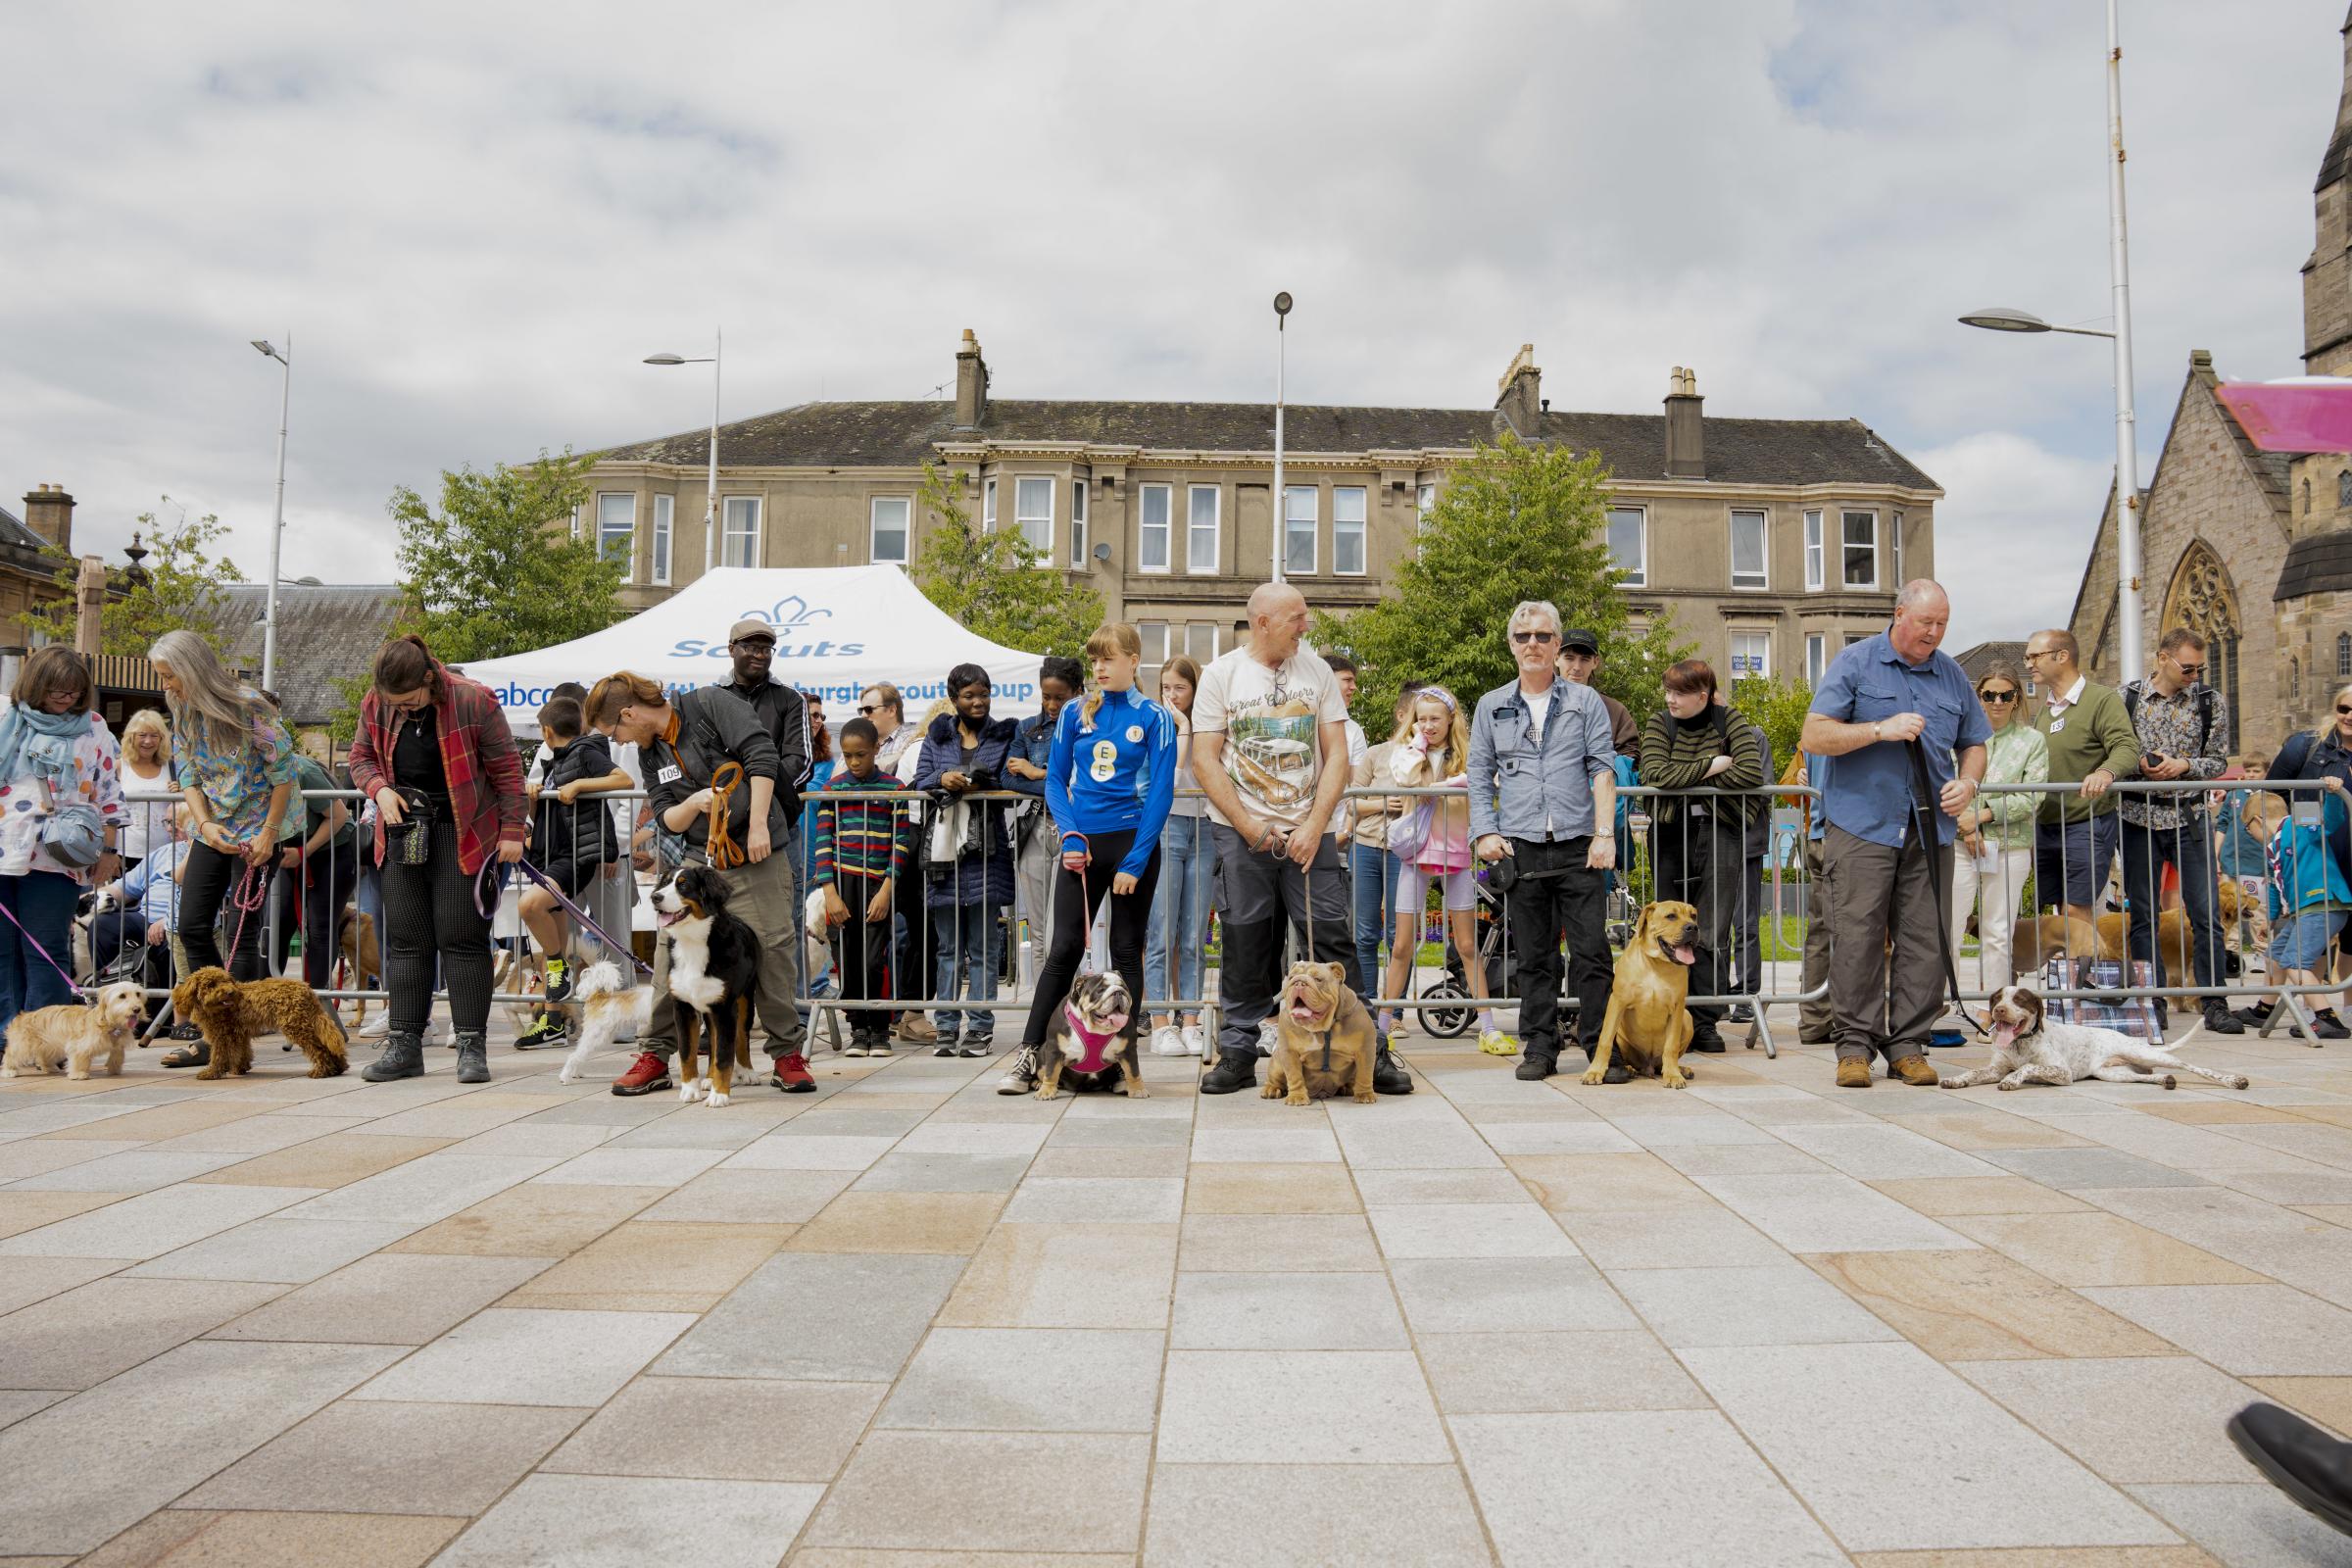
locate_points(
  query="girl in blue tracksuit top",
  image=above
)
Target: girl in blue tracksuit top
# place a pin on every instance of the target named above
(1109, 781)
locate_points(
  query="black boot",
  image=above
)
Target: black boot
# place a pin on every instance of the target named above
(2312, 1468)
(1235, 1071)
(473, 1056)
(1535, 1064)
(403, 1058)
(1388, 1076)
(1618, 1073)
(2220, 1020)
(1704, 1038)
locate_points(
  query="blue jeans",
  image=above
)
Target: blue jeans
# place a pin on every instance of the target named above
(971, 955)
(1374, 875)
(1188, 870)
(2146, 851)
(43, 904)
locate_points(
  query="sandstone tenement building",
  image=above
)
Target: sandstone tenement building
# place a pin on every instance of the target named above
(1772, 543)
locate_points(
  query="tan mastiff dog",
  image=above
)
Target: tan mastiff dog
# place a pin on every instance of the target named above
(1325, 1035)
(1646, 1022)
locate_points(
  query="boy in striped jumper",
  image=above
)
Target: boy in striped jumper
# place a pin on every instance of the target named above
(861, 847)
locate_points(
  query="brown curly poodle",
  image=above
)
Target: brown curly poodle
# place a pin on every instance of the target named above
(229, 1015)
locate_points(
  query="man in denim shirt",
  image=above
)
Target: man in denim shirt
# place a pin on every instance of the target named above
(1876, 698)
(1544, 792)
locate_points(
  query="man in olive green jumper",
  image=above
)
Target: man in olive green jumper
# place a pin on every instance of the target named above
(2093, 743)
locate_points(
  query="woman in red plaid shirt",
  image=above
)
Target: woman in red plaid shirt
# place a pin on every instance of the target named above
(434, 753)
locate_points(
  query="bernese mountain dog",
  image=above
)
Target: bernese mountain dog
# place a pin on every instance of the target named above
(714, 979)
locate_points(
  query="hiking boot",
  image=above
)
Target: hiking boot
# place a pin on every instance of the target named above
(1914, 1069)
(549, 1030)
(917, 1030)
(1388, 1076)
(792, 1074)
(1535, 1066)
(1236, 1070)
(473, 1056)
(646, 1074)
(1853, 1072)
(2220, 1020)
(2325, 1025)
(1704, 1038)
(403, 1058)
(1020, 1073)
(558, 980)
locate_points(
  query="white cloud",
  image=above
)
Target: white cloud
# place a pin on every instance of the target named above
(476, 220)
(2012, 532)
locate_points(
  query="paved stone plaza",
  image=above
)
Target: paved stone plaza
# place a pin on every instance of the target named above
(909, 1322)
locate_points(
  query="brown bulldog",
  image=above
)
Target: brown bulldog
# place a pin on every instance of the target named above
(1325, 1035)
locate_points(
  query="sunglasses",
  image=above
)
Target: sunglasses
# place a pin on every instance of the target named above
(2342, 709)
(1524, 637)
(869, 708)
(1997, 697)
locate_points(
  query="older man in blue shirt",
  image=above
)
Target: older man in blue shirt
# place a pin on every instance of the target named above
(1544, 792)
(1876, 698)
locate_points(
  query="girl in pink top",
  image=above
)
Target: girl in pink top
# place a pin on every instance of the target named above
(1432, 747)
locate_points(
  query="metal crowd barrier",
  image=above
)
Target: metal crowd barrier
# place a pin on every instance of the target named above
(1750, 879)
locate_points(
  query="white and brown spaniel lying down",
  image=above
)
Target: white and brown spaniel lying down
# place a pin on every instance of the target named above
(2026, 1050)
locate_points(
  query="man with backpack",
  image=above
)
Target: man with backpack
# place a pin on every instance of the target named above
(2183, 730)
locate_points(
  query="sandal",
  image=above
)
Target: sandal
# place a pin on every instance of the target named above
(198, 1056)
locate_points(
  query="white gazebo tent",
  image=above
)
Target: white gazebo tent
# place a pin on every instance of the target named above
(839, 629)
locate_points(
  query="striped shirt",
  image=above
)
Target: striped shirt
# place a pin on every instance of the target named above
(860, 838)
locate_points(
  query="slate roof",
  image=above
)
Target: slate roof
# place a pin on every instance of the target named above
(13, 532)
(2315, 564)
(850, 435)
(323, 632)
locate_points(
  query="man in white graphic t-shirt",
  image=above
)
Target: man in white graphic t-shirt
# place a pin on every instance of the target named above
(1270, 749)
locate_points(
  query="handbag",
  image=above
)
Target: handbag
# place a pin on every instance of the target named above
(73, 834)
(1410, 832)
(409, 842)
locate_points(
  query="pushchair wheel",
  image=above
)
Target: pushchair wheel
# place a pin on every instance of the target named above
(1446, 1024)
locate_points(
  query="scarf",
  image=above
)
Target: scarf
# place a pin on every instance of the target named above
(40, 743)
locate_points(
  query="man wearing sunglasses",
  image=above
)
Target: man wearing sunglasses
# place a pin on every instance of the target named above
(2183, 730)
(2091, 745)
(1544, 795)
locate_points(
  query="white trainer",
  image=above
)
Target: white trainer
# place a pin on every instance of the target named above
(1195, 1042)
(1167, 1042)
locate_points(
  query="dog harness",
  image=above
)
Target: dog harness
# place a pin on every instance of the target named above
(1098, 1046)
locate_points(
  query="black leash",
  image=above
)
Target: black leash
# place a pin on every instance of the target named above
(1924, 811)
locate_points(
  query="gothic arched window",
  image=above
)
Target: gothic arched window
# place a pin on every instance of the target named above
(2307, 496)
(2343, 488)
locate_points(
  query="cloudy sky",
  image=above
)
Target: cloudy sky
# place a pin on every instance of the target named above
(476, 220)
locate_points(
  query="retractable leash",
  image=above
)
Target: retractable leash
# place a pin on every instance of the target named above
(1922, 811)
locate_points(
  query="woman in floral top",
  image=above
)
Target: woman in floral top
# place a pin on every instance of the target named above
(1996, 849)
(54, 751)
(235, 764)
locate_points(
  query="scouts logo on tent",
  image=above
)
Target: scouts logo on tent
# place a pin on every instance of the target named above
(789, 615)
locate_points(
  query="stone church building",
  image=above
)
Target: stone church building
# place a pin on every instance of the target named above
(2251, 549)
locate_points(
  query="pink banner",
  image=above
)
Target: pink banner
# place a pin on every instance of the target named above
(2297, 416)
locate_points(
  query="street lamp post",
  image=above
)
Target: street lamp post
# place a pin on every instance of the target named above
(2126, 438)
(1282, 500)
(277, 528)
(710, 497)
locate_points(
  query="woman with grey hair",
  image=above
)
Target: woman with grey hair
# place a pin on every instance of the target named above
(235, 765)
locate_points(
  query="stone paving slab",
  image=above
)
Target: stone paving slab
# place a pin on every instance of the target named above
(294, 1321)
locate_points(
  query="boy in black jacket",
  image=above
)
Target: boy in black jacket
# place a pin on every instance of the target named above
(571, 843)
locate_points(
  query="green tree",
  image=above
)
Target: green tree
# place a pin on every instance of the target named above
(1513, 522)
(1776, 706)
(994, 583)
(178, 586)
(497, 570)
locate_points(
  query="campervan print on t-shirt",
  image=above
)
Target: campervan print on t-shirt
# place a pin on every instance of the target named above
(1270, 719)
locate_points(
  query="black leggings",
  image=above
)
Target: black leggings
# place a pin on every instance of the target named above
(210, 876)
(428, 910)
(1074, 916)
(332, 879)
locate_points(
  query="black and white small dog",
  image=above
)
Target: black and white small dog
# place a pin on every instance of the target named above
(1089, 1041)
(713, 977)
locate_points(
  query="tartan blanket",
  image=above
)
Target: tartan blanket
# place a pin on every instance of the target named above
(2118, 1010)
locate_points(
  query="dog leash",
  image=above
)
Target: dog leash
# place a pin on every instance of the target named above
(721, 850)
(71, 984)
(534, 874)
(1922, 809)
(257, 880)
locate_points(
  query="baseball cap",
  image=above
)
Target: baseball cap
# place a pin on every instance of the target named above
(750, 626)
(1578, 640)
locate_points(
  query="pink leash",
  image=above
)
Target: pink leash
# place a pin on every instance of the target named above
(71, 984)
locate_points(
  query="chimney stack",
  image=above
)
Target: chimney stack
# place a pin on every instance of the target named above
(49, 512)
(971, 384)
(1685, 434)
(1521, 402)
